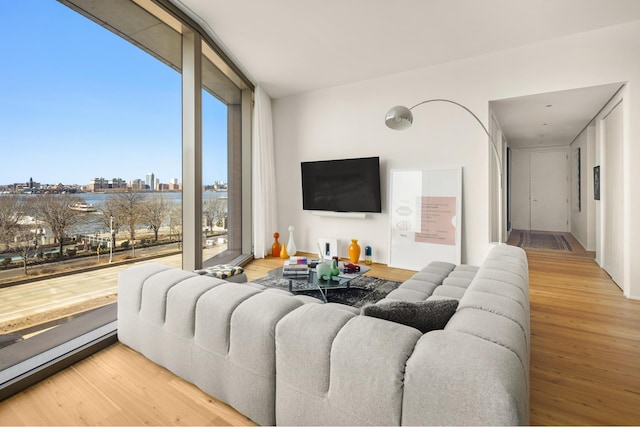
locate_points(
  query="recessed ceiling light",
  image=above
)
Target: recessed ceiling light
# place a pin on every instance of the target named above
(544, 124)
(548, 105)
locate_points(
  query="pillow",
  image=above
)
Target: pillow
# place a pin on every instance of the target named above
(223, 271)
(424, 315)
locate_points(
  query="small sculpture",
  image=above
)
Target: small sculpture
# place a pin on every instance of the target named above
(326, 271)
(335, 271)
(283, 252)
(367, 255)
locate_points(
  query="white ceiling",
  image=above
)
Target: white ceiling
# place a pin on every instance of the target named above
(296, 46)
(550, 119)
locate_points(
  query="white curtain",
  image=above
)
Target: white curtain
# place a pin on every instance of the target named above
(263, 175)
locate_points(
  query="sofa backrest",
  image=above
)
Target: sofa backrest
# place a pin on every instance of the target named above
(212, 333)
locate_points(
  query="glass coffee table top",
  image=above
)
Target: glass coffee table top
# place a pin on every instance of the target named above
(313, 282)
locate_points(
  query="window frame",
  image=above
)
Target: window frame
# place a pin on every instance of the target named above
(27, 362)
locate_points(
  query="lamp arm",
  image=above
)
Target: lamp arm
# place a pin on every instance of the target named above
(493, 143)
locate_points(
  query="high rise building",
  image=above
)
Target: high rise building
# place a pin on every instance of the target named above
(97, 184)
(150, 181)
(137, 184)
(173, 184)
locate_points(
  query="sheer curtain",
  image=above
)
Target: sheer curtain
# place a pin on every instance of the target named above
(263, 176)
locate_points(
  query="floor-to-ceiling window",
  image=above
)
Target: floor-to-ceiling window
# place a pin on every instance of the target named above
(93, 126)
(221, 159)
(90, 128)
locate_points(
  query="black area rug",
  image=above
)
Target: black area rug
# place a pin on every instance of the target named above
(364, 290)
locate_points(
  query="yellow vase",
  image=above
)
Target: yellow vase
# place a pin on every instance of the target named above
(354, 251)
(283, 252)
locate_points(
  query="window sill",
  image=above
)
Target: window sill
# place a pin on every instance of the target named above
(27, 362)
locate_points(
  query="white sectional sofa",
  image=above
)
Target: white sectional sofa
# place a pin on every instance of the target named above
(281, 359)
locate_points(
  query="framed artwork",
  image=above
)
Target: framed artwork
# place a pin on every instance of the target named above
(596, 182)
(425, 214)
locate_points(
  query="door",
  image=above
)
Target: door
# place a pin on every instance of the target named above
(612, 196)
(549, 197)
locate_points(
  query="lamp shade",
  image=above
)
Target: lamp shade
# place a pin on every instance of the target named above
(399, 118)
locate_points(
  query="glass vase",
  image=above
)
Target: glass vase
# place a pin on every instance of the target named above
(354, 251)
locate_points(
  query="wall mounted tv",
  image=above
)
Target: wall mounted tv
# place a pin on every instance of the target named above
(346, 185)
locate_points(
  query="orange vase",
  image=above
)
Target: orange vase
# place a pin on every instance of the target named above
(354, 251)
(275, 248)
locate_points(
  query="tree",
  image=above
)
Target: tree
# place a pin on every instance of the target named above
(12, 212)
(220, 212)
(112, 216)
(129, 208)
(209, 213)
(154, 213)
(175, 222)
(55, 212)
(24, 244)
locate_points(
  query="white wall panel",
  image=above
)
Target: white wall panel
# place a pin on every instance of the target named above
(348, 121)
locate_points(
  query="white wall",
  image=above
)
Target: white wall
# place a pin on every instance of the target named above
(348, 121)
(583, 221)
(612, 196)
(591, 203)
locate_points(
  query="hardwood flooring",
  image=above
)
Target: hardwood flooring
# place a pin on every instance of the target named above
(116, 386)
(585, 362)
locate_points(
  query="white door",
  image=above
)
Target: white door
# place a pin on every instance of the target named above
(612, 196)
(521, 190)
(549, 196)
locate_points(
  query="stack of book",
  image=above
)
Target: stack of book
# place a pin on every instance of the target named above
(296, 266)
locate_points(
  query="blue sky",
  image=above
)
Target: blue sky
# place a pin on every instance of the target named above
(79, 102)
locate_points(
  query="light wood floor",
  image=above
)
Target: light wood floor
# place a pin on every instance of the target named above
(585, 362)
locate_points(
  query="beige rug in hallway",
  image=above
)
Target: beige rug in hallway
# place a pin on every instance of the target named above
(543, 241)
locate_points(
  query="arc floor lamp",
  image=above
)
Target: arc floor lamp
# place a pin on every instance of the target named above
(401, 118)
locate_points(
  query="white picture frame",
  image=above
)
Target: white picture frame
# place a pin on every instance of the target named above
(327, 248)
(425, 215)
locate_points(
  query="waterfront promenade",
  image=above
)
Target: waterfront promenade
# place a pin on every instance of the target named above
(42, 300)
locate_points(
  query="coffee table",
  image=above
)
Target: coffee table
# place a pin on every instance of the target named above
(313, 282)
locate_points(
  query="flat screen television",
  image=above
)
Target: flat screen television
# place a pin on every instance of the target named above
(346, 185)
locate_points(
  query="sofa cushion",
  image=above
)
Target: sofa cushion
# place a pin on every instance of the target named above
(449, 291)
(424, 315)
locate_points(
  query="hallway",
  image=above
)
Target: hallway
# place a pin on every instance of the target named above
(585, 346)
(530, 240)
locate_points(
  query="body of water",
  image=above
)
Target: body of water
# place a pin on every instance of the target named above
(93, 222)
(98, 198)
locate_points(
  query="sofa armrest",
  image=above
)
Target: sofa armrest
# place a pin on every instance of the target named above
(453, 378)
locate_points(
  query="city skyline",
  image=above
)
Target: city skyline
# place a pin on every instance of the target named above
(79, 102)
(35, 183)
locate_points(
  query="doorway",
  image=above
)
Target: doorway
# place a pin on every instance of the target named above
(539, 188)
(548, 182)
